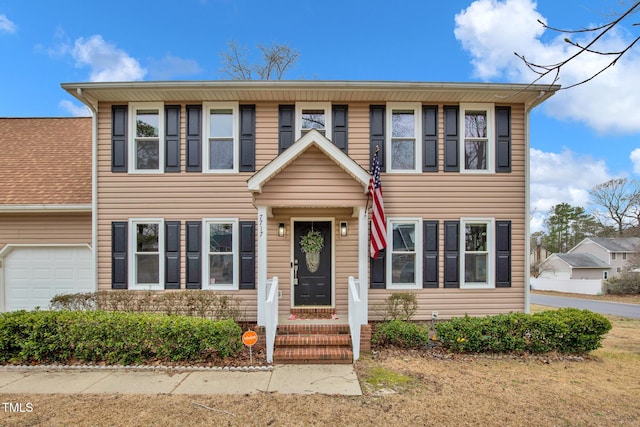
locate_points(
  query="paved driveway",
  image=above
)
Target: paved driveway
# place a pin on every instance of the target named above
(614, 308)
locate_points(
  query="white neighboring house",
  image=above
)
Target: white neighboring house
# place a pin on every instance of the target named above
(586, 265)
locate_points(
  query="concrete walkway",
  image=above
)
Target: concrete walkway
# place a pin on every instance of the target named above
(285, 379)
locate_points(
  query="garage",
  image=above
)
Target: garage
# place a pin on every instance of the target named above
(34, 275)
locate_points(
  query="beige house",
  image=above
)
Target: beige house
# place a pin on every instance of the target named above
(45, 210)
(213, 184)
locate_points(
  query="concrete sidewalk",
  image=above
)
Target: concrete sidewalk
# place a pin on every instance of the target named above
(285, 379)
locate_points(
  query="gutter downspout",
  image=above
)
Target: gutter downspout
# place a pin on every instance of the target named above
(93, 107)
(527, 226)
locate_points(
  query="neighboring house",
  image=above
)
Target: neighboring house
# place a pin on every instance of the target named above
(212, 184)
(616, 252)
(45, 210)
(578, 266)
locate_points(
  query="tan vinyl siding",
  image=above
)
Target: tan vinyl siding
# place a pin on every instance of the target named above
(314, 186)
(45, 228)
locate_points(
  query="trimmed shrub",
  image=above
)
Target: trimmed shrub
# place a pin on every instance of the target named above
(567, 330)
(401, 334)
(114, 337)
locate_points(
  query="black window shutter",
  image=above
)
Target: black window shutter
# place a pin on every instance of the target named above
(286, 127)
(119, 142)
(247, 255)
(172, 138)
(119, 266)
(378, 271)
(194, 257)
(430, 138)
(172, 255)
(377, 134)
(194, 138)
(451, 254)
(451, 139)
(430, 261)
(503, 254)
(340, 129)
(247, 138)
(503, 139)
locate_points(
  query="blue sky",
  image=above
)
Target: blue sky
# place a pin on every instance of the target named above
(581, 137)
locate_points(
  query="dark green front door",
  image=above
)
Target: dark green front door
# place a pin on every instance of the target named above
(313, 284)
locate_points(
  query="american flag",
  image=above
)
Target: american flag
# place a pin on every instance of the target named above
(378, 223)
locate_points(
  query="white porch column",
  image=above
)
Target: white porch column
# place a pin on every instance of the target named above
(363, 258)
(262, 263)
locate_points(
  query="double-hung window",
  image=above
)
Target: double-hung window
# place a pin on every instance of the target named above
(404, 237)
(221, 149)
(478, 140)
(477, 258)
(313, 115)
(403, 142)
(221, 254)
(147, 246)
(147, 130)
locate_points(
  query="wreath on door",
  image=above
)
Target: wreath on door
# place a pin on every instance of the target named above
(311, 245)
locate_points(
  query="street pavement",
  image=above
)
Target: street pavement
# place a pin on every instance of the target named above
(284, 379)
(602, 307)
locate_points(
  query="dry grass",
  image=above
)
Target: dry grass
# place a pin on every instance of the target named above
(435, 389)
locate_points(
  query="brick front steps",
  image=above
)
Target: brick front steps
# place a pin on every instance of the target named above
(313, 341)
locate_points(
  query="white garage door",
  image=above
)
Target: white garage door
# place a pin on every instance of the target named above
(33, 275)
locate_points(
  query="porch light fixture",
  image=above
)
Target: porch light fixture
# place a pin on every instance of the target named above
(343, 229)
(281, 229)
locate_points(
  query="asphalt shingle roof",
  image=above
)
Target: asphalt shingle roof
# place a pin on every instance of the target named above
(45, 161)
(618, 244)
(583, 261)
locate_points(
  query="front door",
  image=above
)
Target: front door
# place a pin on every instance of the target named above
(312, 267)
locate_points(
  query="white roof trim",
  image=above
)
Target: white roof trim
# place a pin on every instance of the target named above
(45, 208)
(311, 138)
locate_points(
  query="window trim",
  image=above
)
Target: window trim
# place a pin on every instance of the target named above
(326, 106)
(417, 114)
(418, 253)
(235, 235)
(133, 155)
(491, 249)
(206, 121)
(133, 283)
(491, 136)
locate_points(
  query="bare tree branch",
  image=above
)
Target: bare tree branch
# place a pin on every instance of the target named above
(276, 60)
(553, 70)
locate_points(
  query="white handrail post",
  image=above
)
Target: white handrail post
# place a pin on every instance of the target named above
(355, 315)
(271, 316)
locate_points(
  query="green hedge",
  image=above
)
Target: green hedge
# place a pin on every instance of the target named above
(400, 333)
(113, 337)
(567, 330)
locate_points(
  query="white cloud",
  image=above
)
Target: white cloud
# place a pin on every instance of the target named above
(107, 62)
(171, 66)
(561, 178)
(492, 30)
(74, 109)
(6, 25)
(635, 159)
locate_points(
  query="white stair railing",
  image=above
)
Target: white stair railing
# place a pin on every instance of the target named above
(271, 315)
(357, 315)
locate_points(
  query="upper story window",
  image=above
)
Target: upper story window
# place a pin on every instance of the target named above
(477, 258)
(613, 256)
(313, 115)
(478, 135)
(405, 263)
(221, 242)
(221, 144)
(146, 243)
(147, 130)
(404, 124)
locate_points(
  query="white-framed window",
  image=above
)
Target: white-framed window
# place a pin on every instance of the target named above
(146, 130)
(613, 256)
(624, 256)
(477, 243)
(313, 115)
(404, 244)
(146, 243)
(478, 138)
(404, 126)
(221, 148)
(605, 275)
(221, 256)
